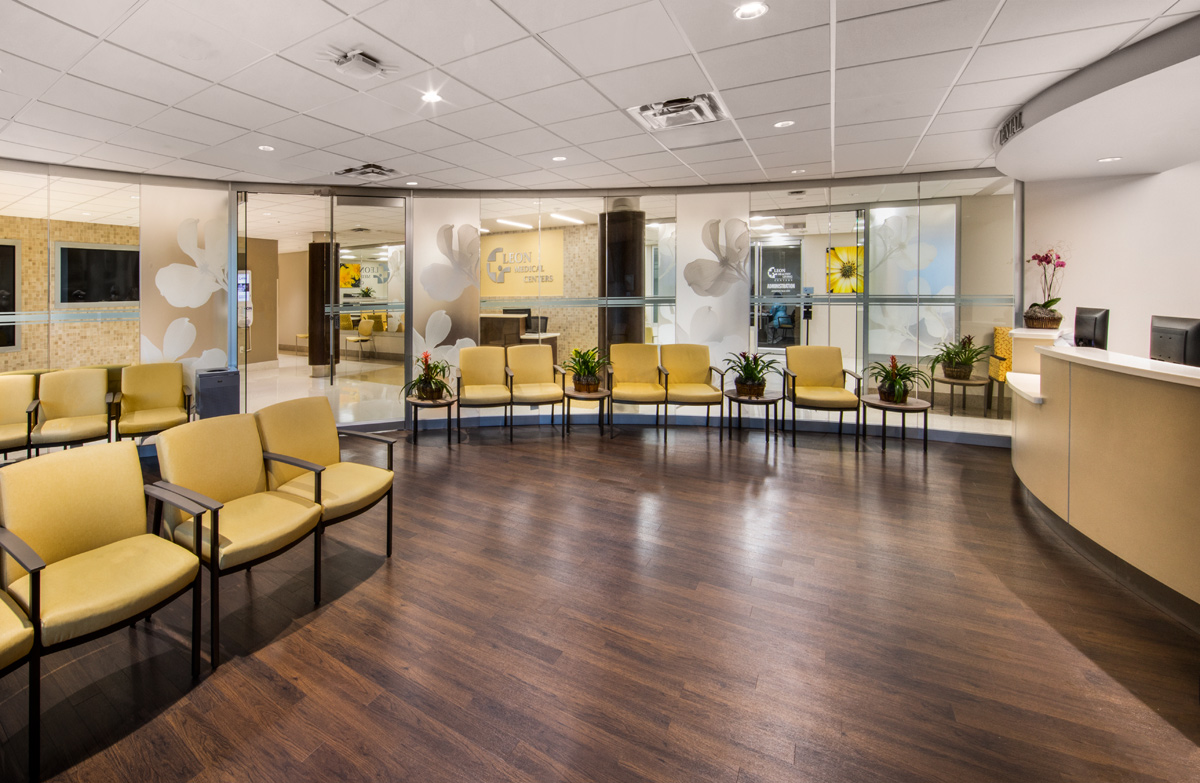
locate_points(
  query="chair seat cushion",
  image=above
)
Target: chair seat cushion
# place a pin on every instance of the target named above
(998, 368)
(71, 429)
(152, 420)
(16, 632)
(827, 397)
(694, 393)
(484, 395)
(530, 393)
(345, 488)
(253, 526)
(12, 435)
(101, 587)
(639, 392)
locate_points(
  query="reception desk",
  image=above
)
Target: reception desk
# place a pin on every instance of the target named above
(1111, 445)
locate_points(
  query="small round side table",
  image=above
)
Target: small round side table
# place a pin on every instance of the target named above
(952, 382)
(769, 400)
(418, 404)
(600, 395)
(912, 405)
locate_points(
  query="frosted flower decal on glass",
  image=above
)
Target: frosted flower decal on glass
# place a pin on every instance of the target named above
(705, 327)
(192, 285)
(177, 341)
(708, 277)
(437, 328)
(446, 282)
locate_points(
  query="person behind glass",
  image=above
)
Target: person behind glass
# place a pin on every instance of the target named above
(777, 319)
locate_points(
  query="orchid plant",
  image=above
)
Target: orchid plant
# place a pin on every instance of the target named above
(1051, 265)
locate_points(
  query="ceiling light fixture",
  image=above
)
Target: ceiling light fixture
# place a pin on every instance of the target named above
(513, 223)
(558, 159)
(266, 148)
(1107, 160)
(747, 11)
(411, 184)
(483, 230)
(431, 97)
(576, 221)
(768, 227)
(135, 197)
(785, 124)
(266, 214)
(652, 225)
(797, 171)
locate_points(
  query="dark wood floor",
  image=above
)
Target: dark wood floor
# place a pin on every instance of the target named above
(652, 609)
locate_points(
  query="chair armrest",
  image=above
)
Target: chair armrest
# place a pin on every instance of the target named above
(33, 406)
(788, 373)
(112, 398)
(373, 437)
(271, 456)
(11, 543)
(164, 495)
(663, 371)
(853, 374)
(559, 370)
(198, 498)
(721, 373)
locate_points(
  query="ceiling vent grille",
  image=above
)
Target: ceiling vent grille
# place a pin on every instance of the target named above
(679, 112)
(371, 172)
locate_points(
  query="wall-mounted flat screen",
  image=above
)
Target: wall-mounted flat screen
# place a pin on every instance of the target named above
(1175, 340)
(1091, 327)
(93, 274)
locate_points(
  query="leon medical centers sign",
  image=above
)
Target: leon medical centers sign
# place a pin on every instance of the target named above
(521, 264)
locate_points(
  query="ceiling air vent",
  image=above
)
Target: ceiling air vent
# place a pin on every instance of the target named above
(679, 112)
(372, 172)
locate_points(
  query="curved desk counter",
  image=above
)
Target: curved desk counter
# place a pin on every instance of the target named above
(1110, 444)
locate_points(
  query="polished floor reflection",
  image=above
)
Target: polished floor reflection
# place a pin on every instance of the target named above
(655, 607)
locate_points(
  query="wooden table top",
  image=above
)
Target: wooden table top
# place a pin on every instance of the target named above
(913, 405)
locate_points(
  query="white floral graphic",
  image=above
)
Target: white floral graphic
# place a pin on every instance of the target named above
(713, 278)
(446, 282)
(178, 340)
(705, 327)
(437, 328)
(183, 285)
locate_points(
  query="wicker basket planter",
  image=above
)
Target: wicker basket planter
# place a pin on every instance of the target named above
(958, 372)
(890, 393)
(586, 384)
(1040, 322)
(750, 389)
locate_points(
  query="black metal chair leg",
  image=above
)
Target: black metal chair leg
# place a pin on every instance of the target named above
(840, 415)
(389, 522)
(214, 615)
(317, 564)
(35, 715)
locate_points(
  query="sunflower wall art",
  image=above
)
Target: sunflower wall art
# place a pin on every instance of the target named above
(844, 269)
(349, 275)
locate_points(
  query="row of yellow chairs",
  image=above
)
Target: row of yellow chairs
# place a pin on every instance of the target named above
(81, 563)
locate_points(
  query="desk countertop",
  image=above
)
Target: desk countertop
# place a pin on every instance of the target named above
(1126, 364)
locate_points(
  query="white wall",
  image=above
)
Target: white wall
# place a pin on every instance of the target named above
(1131, 248)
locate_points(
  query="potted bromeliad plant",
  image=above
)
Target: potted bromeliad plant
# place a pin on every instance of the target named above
(1042, 315)
(750, 372)
(894, 380)
(585, 368)
(432, 381)
(958, 358)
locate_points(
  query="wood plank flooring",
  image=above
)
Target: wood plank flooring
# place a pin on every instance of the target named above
(651, 608)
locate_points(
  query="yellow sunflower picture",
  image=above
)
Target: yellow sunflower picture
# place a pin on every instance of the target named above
(349, 275)
(843, 269)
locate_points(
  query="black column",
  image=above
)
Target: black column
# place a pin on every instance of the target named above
(622, 273)
(322, 285)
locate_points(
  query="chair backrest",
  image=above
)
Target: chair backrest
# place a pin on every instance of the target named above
(634, 362)
(148, 386)
(346, 322)
(220, 457)
(816, 365)
(365, 327)
(531, 363)
(482, 365)
(303, 428)
(686, 363)
(114, 374)
(36, 373)
(1002, 343)
(73, 501)
(70, 393)
(16, 392)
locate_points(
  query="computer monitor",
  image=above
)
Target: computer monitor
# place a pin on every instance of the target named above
(1175, 340)
(525, 311)
(1091, 327)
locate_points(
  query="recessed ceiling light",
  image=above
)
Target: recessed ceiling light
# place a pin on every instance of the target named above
(1107, 160)
(785, 124)
(558, 159)
(266, 148)
(576, 221)
(266, 214)
(85, 213)
(513, 223)
(410, 184)
(431, 97)
(750, 10)
(797, 171)
(760, 217)
(768, 227)
(135, 197)
(652, 225)
(483, 230)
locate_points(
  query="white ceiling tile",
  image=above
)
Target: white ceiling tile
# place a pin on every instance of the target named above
(443, 31)
(10, 149)
(24, 77)
(454, 176)
(797, 92)
(564, 102)
(710, 24)
(922, 29)
(421, 136)
(467, 153)
(115, 67)
(37, 137)
(129, 157)
(538, 178)
(272, 24)
(352, 35)
(661, 81)
(31, 35)
(770, 59)
(654, 160)
(978, 119)
(879, 131)
(542, 15)
(1061, 52)
(572, 156)
(849, 9)
(407, 94)
(70, 92)
(811, 118)
(810, 170)
(798, 158)
(142, 139)
(1002, 92)
(593, 169)
(620, 39)
(108, 165)
(697, 135)
(179, 38)
(928, 71)
(503, 167)
(323, 161)
(897, 106)
(724, 151)
(490, 183)
(812, 145)
(491, 119)
(93, 16)
(192, 127)
(1032, 18)
(949, 166)
(222, 103)
(10, 104)
(665, 173)
(623, 147)
(363, 113)
(526, 141)
(1184, 6)
(610, 181)
(872, 154)
(190, 168)
(612, 125)
(727, 166)
(365, 149)
(282, 82)
(734, 178)
(1162, 23)
(963, 145)
(308, 131)
(512, 69)
(43, 115)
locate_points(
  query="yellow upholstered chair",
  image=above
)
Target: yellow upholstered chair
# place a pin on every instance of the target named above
(483, 381)
(152, 398)
(636, 377)
(815, 380)
(531, 373)
(366, 328)
(691, 379)
(114, 374)
(380, 320)
(346, 322)
(305, 428)
(17, 407)
(999, 365)
(73, 407)
(36, 373)
(219, 463)
(90, 565)
(16, 632)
